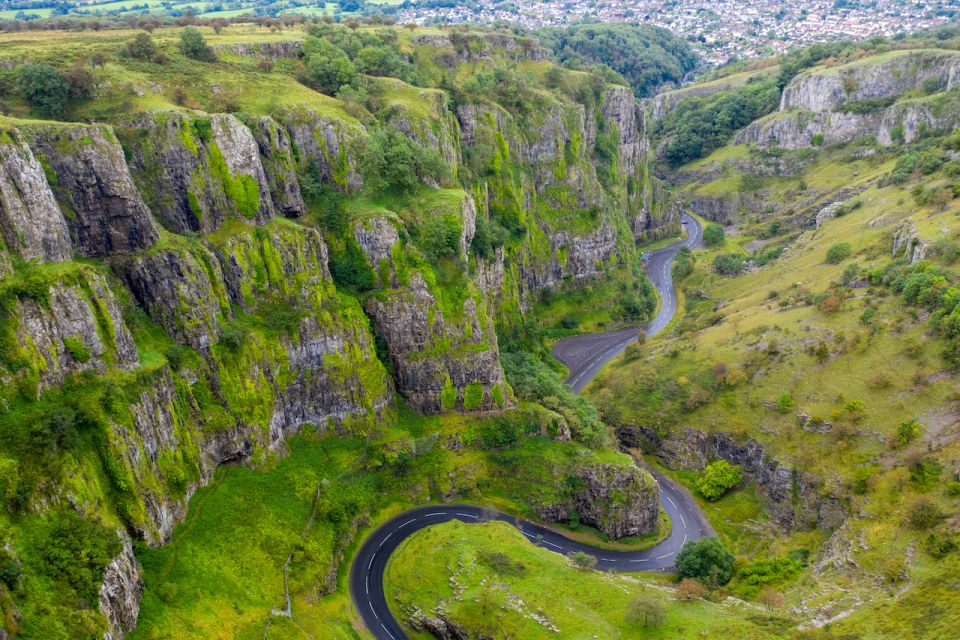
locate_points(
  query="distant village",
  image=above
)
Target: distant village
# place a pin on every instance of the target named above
(720, 29)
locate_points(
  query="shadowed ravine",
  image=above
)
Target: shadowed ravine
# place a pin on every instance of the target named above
(584, 356)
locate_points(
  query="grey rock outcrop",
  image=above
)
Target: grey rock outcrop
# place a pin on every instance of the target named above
(80, 328)
(377, 237)
(907, 244)
(327, 145)
(276, 154)
(120, 593)
(93, 183)
(793, 498)
(30, 220)
(577, 258)
(893, 75)
(618, 499)
(798, 129)
(183, 293)
(442, 628)
(440, 363)
(195, 170)
(621, 109)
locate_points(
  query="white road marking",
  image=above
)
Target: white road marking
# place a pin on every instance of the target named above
(368, 586)
(467, 515)
(370, 564)
(388, 631)
(665, 556)
(407, 522)
(679, 512)
(556, 546)
(437, 513)
(643, 560)
(684, 540)
(385, 539)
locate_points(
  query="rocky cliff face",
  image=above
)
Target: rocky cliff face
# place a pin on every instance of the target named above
(106, 214)
(619, 500)
(279, 164)
(76, 327)
(30, 220)
(793, 498)
(444, 356)
(821, 106)
(120, 593)
(196, 171)
(326, 147)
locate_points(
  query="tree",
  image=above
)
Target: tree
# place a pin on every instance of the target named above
(329, 70)
(713, 235)
(770, 598)
(717, 478)
(44, 87)
(706, 560)
(392, 162)
(690, 589)
(141, 47)
(194, 46)
(645, 612)
(838, 252)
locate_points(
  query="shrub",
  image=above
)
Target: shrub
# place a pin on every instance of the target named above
(729, 264)
(719, 477)
(10, 570)
(690, 589)
(74, 552)
(645, 612)
(923, 513)
(713, 235)
(754, 577)
(77, 350)
(830, 304)
(194, 46)
(706, 560)
(908, 431)
(391, 162)
(785, 403)
(44, 87)
(771, 599)
(839, 252)
(582, 560)
(440, 236)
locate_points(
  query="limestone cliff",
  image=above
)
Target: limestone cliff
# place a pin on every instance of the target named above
(105, 212)
(30, 220)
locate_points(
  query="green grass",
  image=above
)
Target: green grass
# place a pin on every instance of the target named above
(529, 592)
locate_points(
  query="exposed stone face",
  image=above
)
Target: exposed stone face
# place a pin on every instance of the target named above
(797, 129)
(182, 292)
(438, 131)
(831, 89)
(585, 256)
(328, 146)
(196, 170)
(120, 593)
(262, 50)
(81, 328)
(916, 117)
(378, 236)
(618, 499)
(93, 182)
(442, 628)
(30, 220)
(907, 244)
(792, 497)
(327, 388)
(621, 109)
(280, 167)
(439, 363)
(293, 259)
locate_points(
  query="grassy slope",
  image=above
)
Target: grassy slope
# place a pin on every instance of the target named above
(541, 595)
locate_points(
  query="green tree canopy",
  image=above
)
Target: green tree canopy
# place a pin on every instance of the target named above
(706, 560)
(194, 46)
(717, 479)
(44, 87)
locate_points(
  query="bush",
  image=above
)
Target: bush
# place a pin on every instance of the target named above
(923, 513)
(839, 252)
(713, 235)
(10, 570)
(44, 87)
(194, 46)
(141, 47)
(690, 589)
(439, 236)
(582, 560)
(908, 431)
(74, 552)
(729, 264)
(719, 477)
(646, 612)
(77, 349)
(706, 560)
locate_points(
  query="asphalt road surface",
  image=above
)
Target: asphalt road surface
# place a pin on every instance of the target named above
(584, 356)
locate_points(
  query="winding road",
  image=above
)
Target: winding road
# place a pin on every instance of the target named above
(584, 357)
